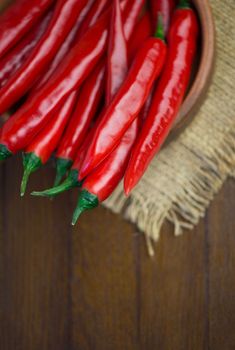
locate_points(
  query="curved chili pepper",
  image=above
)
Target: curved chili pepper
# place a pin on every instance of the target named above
(69, 42)
(166, 8)
(127, 103)
(14, 58)
(72, 179)
(92, 16)
(87, 103)
(41, 148)
(116, 67)
(100, 184)
(18, 19)
(63, 19)
(115, 166)
(79, 122)
(20, 129)
(168, 96)
(143, 30)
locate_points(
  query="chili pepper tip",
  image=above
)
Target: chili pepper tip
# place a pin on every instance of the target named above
(4, 152)
(159, 33)
(183, 4)
(62, 166)
(31, 163)
(86, 200)
(70, 182)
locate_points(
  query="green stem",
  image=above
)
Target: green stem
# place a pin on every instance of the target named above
(62, 166)
(70, 182)
(4, 152)
(183, 4)
(159, 33)
(31, 163)
(86, 200)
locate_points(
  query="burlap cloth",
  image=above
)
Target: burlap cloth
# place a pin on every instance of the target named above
(184, 178)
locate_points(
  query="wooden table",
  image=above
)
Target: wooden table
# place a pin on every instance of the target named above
(94, 287)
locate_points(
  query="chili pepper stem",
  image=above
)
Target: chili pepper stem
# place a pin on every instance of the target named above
(62, 166)
(31, 163)
(86, 200)
(70, 182)
(4, 152)
(159, 33)
(183, 4)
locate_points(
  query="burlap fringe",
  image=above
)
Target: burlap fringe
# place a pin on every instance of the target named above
(181, 182)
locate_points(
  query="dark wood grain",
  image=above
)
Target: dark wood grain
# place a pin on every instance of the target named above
(221, 259)
(94, 287)
(35, 278)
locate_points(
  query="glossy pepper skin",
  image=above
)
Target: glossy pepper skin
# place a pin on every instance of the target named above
(109, 171)
(96, 10)
(126, 104)
(166, 8)
(64, 17)
(40, 149)
(87, 104)
(117, 64)
(168, 96)
(15, 57)
(72, 138)
(103, 180)
(20, 129)
(71, 39)
(143, 30)
(100, 184)
(18, 19)
(88, 100)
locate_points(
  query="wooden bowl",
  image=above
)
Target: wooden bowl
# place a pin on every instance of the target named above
(203, 69)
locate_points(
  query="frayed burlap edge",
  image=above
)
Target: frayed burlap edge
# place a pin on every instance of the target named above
(183, 179)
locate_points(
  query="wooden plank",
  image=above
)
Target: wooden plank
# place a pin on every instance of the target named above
(221, 247)
(173, 289)
(35, 288)
(100, 290)
(104, 283)
(2, 206)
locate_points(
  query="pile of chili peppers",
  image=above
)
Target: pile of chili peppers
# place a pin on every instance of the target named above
(97, 84)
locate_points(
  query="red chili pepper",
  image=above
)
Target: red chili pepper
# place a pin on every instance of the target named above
(127, 103)
(99, 185)
(166, 8)
(20, 129)
(102, 182)
(132, 8)
(113, 168)
(168, 96)
(142, 31)
(116, 67)
(94, 13)
(87, 103)
(41, 148)
(14, 58)
(63, 19)
(18, 19)
(69, 42)
(79, 123)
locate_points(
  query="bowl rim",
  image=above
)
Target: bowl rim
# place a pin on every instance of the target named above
(202, 81)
